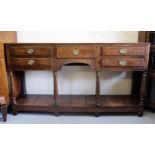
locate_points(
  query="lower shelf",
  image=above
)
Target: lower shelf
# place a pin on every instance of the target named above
(78, 103)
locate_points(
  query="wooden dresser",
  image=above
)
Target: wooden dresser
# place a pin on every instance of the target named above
(100, 57)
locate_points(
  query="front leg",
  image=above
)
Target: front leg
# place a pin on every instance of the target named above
(12, 89)
(55, 88)
(98, 89)
(4, 112)
(142, 94)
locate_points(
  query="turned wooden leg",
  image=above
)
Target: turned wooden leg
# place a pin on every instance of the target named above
(142, 94)
(97, 114)
(4, 112)
(98, 89)
(13, 98)
(57, 113)
(140, 113)
(23, 84)
(14, 110)
(55, 88)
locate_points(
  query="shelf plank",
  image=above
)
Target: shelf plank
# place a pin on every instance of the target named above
(78, 101)
(119, 101)
(35, 100)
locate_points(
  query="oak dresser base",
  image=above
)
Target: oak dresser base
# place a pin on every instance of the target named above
(100, 57)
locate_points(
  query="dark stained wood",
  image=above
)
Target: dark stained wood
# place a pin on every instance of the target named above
(84, 51)
(119, 68)
(142, 89)
(13, 95)
(119, 101)
(23, 83)
(33, 100)
(133, 51)
(135, 56)
(55, 87)
(150, 104)
(142, 93)
(31, 51)
(78, 103)
(54, 56)
(17, 83)
(30, 63)
(97, 88)
(115, 62)
(146, 57)
(150, 78)
(62, 62)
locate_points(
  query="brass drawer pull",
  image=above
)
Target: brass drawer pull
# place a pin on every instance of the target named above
(30, 51)
(123, 51)
(123, 62)
(76, 52)
(31, 62)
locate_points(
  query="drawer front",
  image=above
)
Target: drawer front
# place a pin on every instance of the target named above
(30, 51)
(122, 62)
(76, 52)
(121, 50)
(27, 63)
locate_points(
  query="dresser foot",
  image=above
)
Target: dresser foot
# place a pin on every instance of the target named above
(140, 114)
(56, 113)
(14, 111)
(4, 113)
(97, 114)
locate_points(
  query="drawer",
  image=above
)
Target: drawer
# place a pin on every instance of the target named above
(30, 51)
(77, 52)
(122, 62)
(27, 63)
(121, 50)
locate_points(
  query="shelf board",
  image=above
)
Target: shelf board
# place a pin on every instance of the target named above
(89, 101)
(35, 100)
(119, 101)
(77, 101)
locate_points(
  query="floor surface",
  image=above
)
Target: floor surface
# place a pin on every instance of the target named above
(45, 118)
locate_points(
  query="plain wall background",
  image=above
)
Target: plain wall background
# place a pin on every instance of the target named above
(77, 79)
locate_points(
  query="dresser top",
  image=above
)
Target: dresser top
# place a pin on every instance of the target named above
(93, 44)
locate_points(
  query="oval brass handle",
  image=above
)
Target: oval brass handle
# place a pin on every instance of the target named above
(31, 62)
(76, 52)
(30, 51)
(123, 62)
(123, 51)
